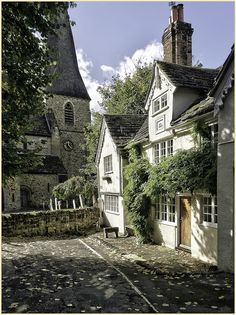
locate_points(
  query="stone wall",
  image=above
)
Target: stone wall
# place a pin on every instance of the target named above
(49, 222)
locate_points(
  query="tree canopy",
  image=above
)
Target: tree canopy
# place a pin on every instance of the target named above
(25, 76)
(127, 96)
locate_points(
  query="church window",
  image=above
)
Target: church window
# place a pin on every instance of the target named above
(69, 114)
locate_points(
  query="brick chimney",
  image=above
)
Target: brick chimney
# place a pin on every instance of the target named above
(177, 38)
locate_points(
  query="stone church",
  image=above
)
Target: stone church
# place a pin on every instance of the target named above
(59, 131)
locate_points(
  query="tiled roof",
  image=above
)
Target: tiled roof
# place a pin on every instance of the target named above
(223, 70)
(40, 127)
(51, 165)
(143, 133)
(123, 127)
(196, 109)
(192, 77)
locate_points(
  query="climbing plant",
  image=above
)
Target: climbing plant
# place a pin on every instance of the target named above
(186, 171)
(137, 202)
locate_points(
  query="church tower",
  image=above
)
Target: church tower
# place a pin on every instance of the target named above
(177, 38)
(70, 101)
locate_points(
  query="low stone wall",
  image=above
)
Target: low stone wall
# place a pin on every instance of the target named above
(36, 223)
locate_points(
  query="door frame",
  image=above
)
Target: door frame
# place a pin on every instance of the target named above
(178, 239)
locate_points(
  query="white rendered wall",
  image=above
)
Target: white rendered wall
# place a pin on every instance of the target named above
(114, 185)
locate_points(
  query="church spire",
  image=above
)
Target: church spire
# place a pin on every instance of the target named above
(68, 79)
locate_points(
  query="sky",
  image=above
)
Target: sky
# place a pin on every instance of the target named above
(111, 37)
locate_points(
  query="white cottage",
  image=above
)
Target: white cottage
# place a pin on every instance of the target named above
(177, 97)
(116, 131)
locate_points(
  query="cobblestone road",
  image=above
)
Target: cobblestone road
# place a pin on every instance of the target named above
(64, 276)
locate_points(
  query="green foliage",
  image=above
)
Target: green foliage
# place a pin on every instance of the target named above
(137, 202)
(25, 59)
(188, 170)
(127, 96)
(75, 186)
(92, 131)
(69, 189)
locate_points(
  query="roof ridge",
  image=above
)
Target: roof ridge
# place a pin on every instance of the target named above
(184, 66)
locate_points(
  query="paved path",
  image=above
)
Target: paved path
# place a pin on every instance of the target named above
(65, 276)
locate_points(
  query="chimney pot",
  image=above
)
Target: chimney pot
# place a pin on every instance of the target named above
(174, 13)
(180, 8)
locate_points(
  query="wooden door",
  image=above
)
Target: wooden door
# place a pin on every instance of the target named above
(185, 221)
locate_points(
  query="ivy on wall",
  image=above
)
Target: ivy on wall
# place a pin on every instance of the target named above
(136, 200)
(186, 171)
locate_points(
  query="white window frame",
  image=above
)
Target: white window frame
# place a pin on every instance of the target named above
(111, 203)
(209, 209)
(107, 161)
(159, 103)
(165, 210)
(162, 149)
(160, 124)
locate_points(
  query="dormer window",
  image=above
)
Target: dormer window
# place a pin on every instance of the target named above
(69, 114)
(159, 103)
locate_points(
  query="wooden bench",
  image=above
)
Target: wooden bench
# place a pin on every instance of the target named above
(108, 230)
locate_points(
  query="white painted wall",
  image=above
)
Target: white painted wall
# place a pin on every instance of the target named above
(204, 235)
(225, 187)
(113, 187)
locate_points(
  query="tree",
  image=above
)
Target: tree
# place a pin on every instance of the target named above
(26, 60)
(127, 96)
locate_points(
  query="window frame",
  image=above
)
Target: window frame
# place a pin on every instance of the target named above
(112, 201)
(212, 213)
(158, 121)
(165, 210)
(158, 148)
(108, 167)
(162, 101)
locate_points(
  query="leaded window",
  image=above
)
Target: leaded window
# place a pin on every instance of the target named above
(111, 203)
(69, 114)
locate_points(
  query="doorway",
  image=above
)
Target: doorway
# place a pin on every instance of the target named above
(185, 222)
(25, 197)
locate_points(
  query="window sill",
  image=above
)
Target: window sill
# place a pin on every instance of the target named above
(209, 224)
(108, 173)
(112, 212)
(165, 222)
(160, 111)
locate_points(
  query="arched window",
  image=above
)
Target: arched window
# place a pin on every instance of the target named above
(69, 114)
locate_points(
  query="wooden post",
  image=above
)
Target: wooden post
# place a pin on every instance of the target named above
(94, 200)
(81, 201)
(55, 203)
(74, 205)
(51, 206)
